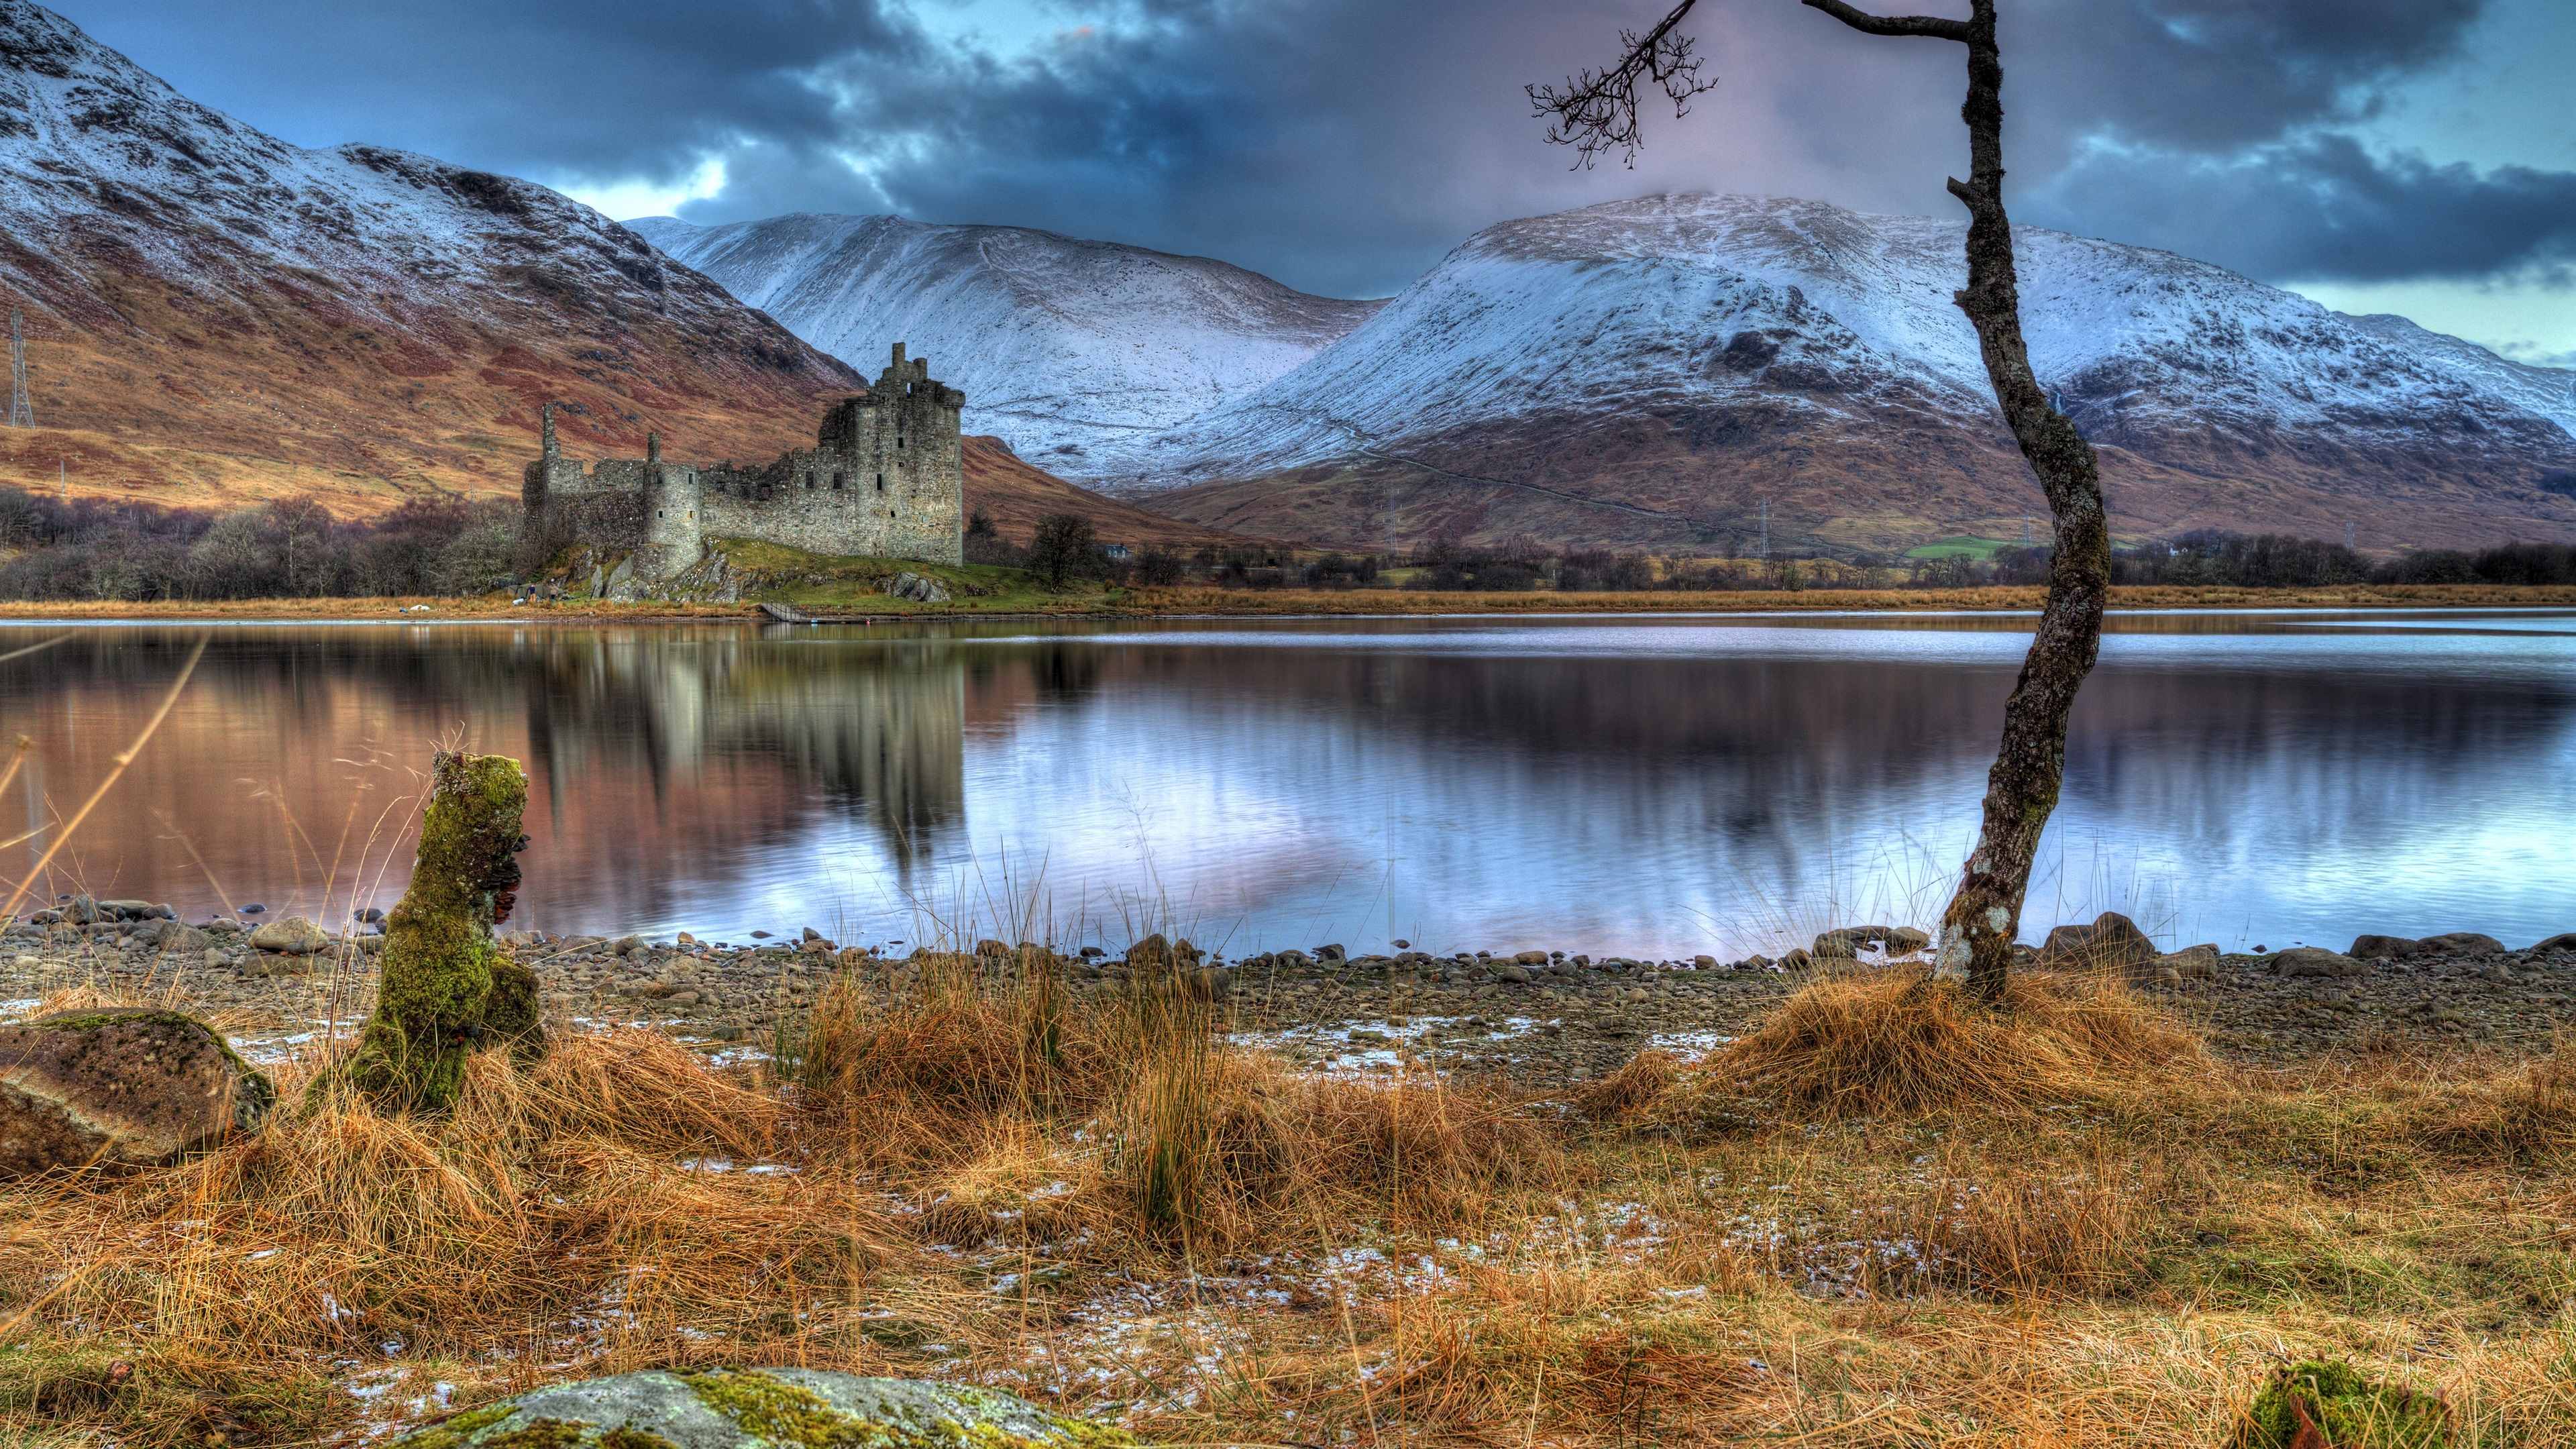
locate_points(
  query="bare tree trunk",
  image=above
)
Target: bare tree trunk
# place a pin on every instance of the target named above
(1984, 917)
(1596, 112)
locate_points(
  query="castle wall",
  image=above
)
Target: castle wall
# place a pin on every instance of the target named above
(885, 479)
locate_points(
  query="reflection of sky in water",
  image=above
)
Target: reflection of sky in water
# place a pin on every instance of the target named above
(2239, 807)
(1614, 785)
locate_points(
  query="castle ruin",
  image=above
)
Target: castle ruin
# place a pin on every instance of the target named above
(884, 478)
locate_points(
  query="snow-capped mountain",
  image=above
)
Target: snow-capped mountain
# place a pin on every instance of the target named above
(1651, 370)
(1070, 350)
(205, 301)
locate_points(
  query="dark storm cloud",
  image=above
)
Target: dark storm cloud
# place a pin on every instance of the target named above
(1343, 144)
(2322, 209)
(556, 88)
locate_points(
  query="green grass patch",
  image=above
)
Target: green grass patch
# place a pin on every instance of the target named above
(817, 582)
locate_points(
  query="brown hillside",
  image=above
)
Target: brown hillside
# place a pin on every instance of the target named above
(214, 316)
(1015, 494)
(1696, 479)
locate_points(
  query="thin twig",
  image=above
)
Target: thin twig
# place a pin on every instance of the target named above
(32, 648)
(122, 760)
(17, 760)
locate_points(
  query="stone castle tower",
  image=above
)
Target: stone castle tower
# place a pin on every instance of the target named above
(885, 478)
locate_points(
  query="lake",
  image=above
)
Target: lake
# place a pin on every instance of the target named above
(1652, 786)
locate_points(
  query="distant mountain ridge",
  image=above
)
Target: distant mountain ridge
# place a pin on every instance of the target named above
(1068, 349)
(1659, 372)
(219, 315)
(1654, 371)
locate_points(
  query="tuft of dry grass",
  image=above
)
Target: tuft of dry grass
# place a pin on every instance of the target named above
(1890, 1043)
(2069, 1230)
(548, 1215)
(910, 1073)
(1640, 1082)
(977, 1072)
(2526, 1113)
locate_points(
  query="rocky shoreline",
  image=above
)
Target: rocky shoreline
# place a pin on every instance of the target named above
(1543, 1017)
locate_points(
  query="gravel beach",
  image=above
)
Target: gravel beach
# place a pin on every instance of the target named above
(1540, 1019)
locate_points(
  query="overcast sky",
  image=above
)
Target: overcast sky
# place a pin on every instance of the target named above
(2416, 156)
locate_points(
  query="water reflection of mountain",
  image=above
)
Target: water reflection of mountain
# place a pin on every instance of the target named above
(702, 774)
(655, 756)
(1564, 788)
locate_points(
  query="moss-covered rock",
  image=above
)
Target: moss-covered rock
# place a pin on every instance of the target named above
(2332, 1406)
(784, 1408)
(120, 1087)
(446, 989)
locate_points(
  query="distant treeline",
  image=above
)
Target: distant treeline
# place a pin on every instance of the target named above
(2261, 561)
(286, 548)
(295, 548)
(2279, 561)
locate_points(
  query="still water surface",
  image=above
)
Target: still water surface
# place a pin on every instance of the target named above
(1647, 786)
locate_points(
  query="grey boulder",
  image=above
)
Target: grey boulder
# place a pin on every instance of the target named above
(2564, 941)
(290, 936)
(2384, 948)
(120, 1087)
(918, 589)
(2191, 963)
(2462, 943)
(2314, 961)
(776, 1408)
(175, 936)
(2113, 940)
(1848, 941)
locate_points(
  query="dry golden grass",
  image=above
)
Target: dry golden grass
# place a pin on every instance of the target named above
(2058, 1240)
(980, 1071)
(1888, 1042)
(550, 1214)
(2525, 1112)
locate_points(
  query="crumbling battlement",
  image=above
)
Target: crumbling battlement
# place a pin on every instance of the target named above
(884, 478)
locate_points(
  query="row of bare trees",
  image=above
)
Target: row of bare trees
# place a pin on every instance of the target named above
(285, 548)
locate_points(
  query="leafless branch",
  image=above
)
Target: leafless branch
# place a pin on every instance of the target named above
(1927, 25)
(1596, 112)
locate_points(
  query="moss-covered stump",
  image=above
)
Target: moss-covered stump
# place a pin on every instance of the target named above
(785, 1408)
(446, 990)
(120, 1087)
(2331, 1406)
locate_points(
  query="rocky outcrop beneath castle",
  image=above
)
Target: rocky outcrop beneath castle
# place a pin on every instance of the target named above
(884, 479)
(914, 587)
